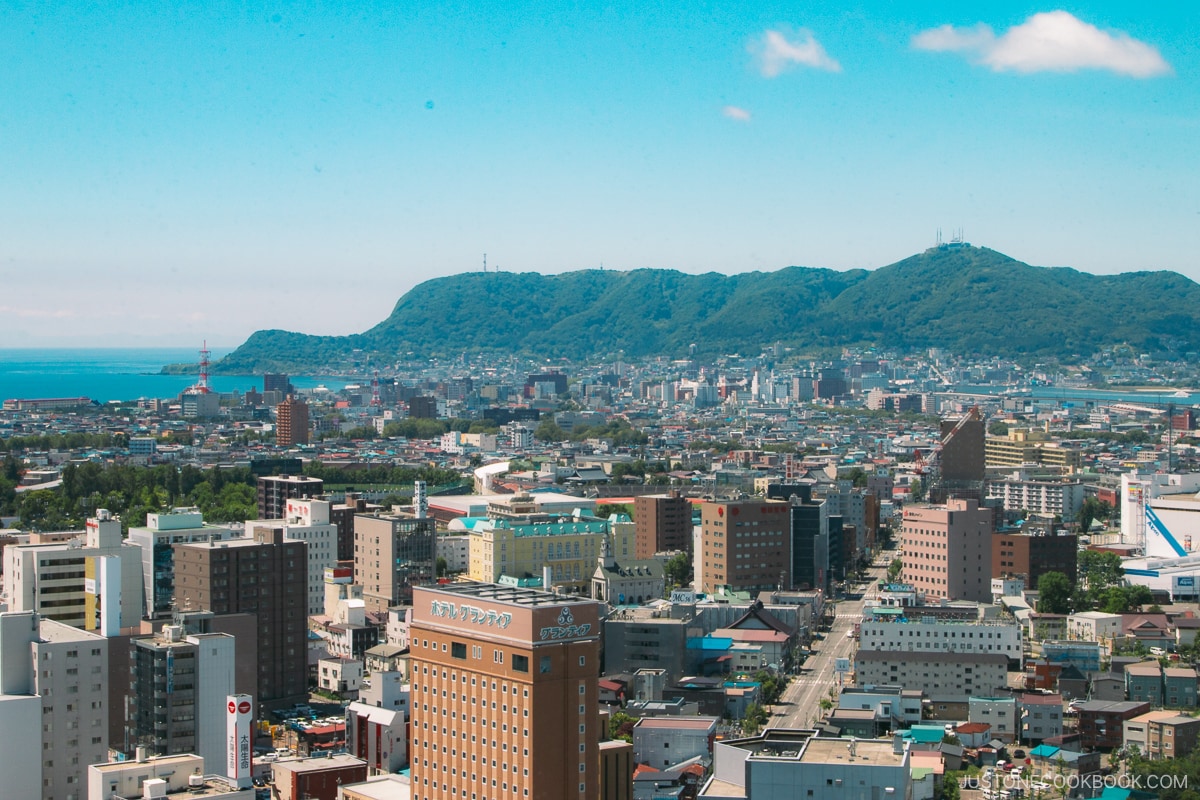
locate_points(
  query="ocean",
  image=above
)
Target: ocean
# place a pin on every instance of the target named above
(106, 374)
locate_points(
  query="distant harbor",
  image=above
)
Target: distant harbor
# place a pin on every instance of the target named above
(105, 374)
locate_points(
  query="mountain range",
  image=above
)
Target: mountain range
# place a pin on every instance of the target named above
(964, 299)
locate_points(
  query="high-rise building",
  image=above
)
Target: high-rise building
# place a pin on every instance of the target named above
(947, 550)
(53, 706)
(556, 379)
(961, 467)
(504, 694)
(63, 580)
(273, 382)
(157, 540)
(810, 546)
(177, 694)
(291, 422)
(308, 521)
(663, 522)
(392, 554)
(342, 516)
(1031, 553)
(745, 545)
(275, 490)
(266, 576)
(423, 407)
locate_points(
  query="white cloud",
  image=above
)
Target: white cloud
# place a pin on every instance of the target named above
(1053, 41)
(733, 112)
(775, 52)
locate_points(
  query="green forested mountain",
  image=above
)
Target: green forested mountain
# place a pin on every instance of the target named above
(964, 299)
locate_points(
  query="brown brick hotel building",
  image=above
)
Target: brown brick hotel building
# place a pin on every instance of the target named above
(504, 694)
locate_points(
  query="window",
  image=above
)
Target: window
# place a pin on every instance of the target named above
(458, 650)
(544, 667)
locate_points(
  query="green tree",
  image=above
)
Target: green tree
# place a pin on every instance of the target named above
(678, 570)
(548, 431)
(1124, 599)
(620, 726)
(441, 567)
(917, 490)
(1096, 572)
(1054, 593)
(894, 569)
(756, 717)
(998, 428)
(1091, 509)
(857, 475)
(606, 510)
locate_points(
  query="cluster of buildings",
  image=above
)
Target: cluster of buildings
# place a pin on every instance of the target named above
(469, 636)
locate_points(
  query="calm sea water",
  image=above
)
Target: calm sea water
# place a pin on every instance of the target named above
(115, 374)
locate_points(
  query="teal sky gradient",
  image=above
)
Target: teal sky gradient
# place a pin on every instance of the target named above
(177, 172)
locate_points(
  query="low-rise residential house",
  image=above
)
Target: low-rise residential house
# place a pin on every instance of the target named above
(1134, 730)
(1179, 687)
(340, 675)
(1150, 630)
(1041, 716)
(1101, 723)
(1144, 682)
(1171, 737)
(973, 734)
(1094, 626)
(1186, 629)
(999, 712)
(387, 658)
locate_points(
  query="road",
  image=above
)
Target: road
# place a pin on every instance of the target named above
(800, 707)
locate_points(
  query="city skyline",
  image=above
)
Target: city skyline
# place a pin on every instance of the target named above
(184, 175)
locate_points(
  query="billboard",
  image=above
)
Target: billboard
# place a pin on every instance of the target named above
(239, 710)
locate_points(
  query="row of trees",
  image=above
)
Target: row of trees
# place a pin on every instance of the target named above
(222, 494)
(1099, 585)
(619, 430)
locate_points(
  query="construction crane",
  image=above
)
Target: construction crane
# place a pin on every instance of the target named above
(972, 413)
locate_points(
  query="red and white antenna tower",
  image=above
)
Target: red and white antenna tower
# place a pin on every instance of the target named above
(375, 401)
(202, 386)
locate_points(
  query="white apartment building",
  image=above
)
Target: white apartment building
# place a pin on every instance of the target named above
(945, 677)
(308, 521)
(456, 549)
(1064, 497)
(1093, 626)
(60, 580)
(928, 634)
(53, 706)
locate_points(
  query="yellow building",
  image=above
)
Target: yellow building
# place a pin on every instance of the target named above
(519, 547)
(1028, 447)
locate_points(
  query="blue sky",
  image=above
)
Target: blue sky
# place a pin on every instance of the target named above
(179, 172)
